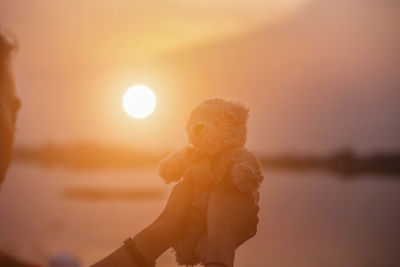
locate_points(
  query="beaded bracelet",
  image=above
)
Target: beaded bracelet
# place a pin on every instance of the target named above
(215, 263)
(135, 254)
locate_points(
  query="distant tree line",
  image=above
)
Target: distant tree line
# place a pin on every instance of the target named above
(92, 156)
(345, 162)
(86, 156)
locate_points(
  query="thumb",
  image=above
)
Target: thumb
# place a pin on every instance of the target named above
(180, 199)
(184, 189)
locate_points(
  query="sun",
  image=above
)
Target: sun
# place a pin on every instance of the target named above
(139, 101)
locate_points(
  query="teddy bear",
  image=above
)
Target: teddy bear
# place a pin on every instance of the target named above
(217, 132)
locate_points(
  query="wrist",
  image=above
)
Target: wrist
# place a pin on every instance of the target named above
(152, 241)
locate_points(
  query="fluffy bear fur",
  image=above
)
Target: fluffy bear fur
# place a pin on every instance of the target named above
(217, 130)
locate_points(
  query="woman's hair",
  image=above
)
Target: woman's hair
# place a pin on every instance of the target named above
(7, 45)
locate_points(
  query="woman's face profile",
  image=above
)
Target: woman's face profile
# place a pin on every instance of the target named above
(9, 106)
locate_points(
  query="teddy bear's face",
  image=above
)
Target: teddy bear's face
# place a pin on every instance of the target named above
(216, 125)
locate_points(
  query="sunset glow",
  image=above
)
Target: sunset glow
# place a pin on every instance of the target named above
(158, 120)
(139, 101)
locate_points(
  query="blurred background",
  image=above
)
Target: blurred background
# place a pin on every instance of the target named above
(321, 79)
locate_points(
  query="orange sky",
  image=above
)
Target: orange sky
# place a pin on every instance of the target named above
(122, 30)
(281, 58)
(89, 44)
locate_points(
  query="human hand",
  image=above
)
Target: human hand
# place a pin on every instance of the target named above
(232, 220)
(159, 236)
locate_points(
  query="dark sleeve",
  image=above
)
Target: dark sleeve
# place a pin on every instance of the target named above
(9, 261)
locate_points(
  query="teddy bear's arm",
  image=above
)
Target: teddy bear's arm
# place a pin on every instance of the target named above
(172, 168)
(246, 172)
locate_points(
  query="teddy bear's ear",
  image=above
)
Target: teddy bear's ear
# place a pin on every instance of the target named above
(239, 114)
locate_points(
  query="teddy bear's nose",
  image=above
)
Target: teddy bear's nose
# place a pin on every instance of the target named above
(198, 128)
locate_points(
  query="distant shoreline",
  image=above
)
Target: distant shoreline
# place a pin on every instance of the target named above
(92, 157)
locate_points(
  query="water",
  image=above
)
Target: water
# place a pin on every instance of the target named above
(306, 219)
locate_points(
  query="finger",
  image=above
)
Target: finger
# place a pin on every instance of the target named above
(183, 186)
(256, 196)
(256, 209)
(249, 199)
(180, 198)
(252, 209)
(187, 181)
(183, 190)
(187, 187)
(253, 231)
(253, 227)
